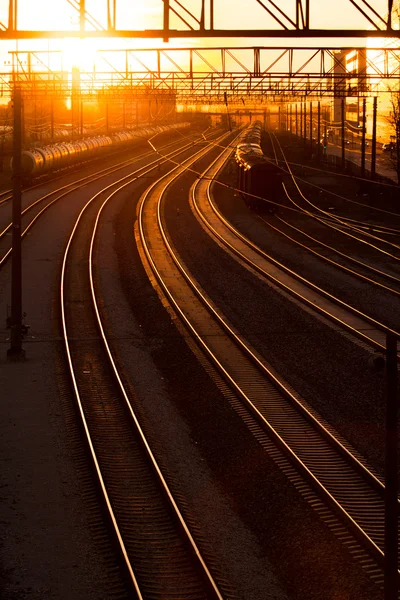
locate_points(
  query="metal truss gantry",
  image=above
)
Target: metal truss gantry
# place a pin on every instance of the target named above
(208, 74)
(206, 19)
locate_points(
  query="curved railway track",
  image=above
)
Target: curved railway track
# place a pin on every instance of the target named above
(361, 232)
(158, 550)
(348, 495)
(343, 315)
(7, 194)
(374, 276)
(54, 196)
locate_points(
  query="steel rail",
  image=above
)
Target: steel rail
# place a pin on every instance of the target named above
(129, 404)
(305, 411)
(249, 377)
(337, 219)
(366, 266)
(312, 303)
(90, 162)
(70, 187)
(59, 175)
(342, 225)
(108, 501)
(382, 229)
(377, 342)
(349, 258)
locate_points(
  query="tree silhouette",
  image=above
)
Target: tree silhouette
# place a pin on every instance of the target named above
(394, 120)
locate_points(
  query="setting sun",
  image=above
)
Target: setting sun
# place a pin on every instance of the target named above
(79, 53)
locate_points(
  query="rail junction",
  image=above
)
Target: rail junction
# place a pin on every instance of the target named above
(200, 373)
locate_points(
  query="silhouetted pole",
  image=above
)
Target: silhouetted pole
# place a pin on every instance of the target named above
(319, 132)
(297, 123)
(363, 125)
(391, 510)
(52, 119)
(311, 129)
(227, 110)
(15, 352)
(373, 149)
(343, 147)
(301, 120)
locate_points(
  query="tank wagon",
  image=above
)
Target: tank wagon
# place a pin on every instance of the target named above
(48, 159)
(256, 175)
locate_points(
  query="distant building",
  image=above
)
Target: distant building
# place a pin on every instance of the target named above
(385, 88)
(376, 73)
(353, 62)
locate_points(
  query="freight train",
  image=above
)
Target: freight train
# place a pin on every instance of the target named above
(52, 158)
(256, 175)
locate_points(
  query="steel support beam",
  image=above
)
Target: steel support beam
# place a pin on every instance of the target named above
(261, 71)
(303, 14)
(293, 21)
(167, 34)
(16, 352)
(82, 15)
(12, 15)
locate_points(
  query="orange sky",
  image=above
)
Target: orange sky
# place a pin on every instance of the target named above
(147, 14)
(140, 14)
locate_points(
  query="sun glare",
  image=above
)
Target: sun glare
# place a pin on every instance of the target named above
(79, 53)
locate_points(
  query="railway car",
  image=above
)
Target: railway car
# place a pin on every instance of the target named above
(32, 162)
(259, 179)
(52, 158)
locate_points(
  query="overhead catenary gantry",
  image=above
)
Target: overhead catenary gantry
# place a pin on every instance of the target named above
(205, 74)
(209, 19)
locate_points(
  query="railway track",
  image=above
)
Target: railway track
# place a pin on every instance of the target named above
(345, 313)
(39, 206)
(366, 239)
(49, 178)
(356, 323)
(328, 472)
(158, 550)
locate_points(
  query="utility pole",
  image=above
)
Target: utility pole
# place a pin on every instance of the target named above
(373, 149)
(319, 132)
(287, 119)
(227, 111)
(16, 352)
(301, 120)
(343, 146)
(363, 125)
(391, 486)
(52, 119)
